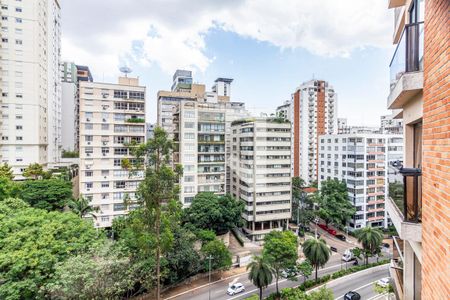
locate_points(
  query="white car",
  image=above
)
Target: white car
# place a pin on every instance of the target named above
(235, 288)
(383, 282)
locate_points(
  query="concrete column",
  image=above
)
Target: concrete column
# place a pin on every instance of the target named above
(411, 284)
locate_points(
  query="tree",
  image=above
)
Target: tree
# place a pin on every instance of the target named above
(221, 256)
(260, 273)
(293, 294)
(317, 252)
(8, 188)
(305, 269)
(371, 239)
(82, 208)
(102, 273)
(217, 213)
(34, 171)
(32, 242)
(280, 250)
(322, 294)
(6, 171)
(334, 206)
(387, 290)
(48, 194)
(158, 194)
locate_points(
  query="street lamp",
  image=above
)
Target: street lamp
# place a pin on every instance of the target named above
(209, 277)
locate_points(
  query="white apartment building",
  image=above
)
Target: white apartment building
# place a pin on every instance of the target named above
(111, 115)
(362, 161)
(69, 85)
(30, 84)
(312, 112)
(261, 173)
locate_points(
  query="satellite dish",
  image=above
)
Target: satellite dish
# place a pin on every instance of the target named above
(125, 70)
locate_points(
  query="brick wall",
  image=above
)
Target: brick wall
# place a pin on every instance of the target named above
(436, 152)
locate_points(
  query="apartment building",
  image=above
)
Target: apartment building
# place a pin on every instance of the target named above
(261, 173)
(419, 93)
(362, 161)
(312, 112)
(388, 124)
(30, 83)
(111, 116)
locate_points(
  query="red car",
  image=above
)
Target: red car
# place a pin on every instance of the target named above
(331, 231)
(323, 226)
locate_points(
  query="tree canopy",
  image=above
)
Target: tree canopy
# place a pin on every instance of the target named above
(260, 273)
(34, 171)
(317, 252)
(334, 205)
(6, 171)
(32, 242)
(221, 256)
(214, 212)
(48, 194)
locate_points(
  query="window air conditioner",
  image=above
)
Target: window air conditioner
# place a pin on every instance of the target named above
(88, 119)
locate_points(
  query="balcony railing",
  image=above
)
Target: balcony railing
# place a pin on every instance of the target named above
(408, 56)
(411, 202)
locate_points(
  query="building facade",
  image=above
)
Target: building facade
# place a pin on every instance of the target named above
(313, 112)
(261, 173)
(388, 124)
(111, 116)
(30, 83)
(362, 161)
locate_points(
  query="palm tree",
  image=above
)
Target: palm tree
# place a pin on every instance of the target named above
(370, 238)
(317, 252)
(82, 208)
(260, 273)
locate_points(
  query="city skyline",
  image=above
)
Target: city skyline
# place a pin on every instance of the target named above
(212, 44)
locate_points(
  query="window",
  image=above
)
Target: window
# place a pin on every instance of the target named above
(88, 173)
(19, 96)
(105, 184)
(18, 9)
(4, 18)
(19, 127)
(18, 20)
(120, 94)
(5, 7)
(88, 138)
(188, 178)
(19, 138)
(189, 114)
(4, 40)
(89, 185)
(105, 126)
(119, 207)
(189, 189)
(189, 136)
(189, 125)
(105, 219)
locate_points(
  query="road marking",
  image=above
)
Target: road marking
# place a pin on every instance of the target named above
(361, 287)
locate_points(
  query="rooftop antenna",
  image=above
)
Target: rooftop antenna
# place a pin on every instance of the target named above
(125, 71)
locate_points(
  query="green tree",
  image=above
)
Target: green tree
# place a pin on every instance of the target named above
(305, 269)
(82, 208)
(293, 294)
(6, 171)
(102, 273)
(280, 250)
(10, 205)
(334, 206)
(260, 273)
(34, 171)
(317, 252)
(8, 188)
(49, 194)
(32, 242)
(322, 294)
(370, 239)
(217, 213)
(221, 256)
(158, 194)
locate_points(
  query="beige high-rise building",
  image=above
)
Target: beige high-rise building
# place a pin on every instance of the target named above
(111, 116)
(30, 123)
(261, 173)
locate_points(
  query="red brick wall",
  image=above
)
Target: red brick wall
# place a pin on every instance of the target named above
(436, 152)
(297, 133)
(320, 120)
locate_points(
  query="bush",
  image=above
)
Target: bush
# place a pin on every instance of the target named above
(252, 297)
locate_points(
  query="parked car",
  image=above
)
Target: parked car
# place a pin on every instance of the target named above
(383, 282)
(341, 237)
(352, 296)
(331, 231)
(386, 245)
(323, 226)
(235, 288)
(289, 273)
(334, 249)
(348, 255)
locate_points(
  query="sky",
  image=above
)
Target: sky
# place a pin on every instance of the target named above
(269, 47)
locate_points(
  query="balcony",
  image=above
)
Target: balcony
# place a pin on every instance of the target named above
(406, 68)
(406, 210)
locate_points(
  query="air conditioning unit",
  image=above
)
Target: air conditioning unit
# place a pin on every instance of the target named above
(88, 119)
(105, 95)
(104, 177)
(88, 143)
(104, 120)
(105, 143)
(88, 190)
(88, 154)
(104, 154)
(88, 167)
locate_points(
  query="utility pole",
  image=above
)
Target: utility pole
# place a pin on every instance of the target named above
(209, 277)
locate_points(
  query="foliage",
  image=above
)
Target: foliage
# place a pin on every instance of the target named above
(32, 242)
(135, 120)
(99, 274)
(392, 231)
(214, 212)
(383, 290)
(260, 273)
(82, 208)
(6, 171)
(371, 239)
(334, 206)
(317, 252)
(69, 154)
(8, 188)
(34, 171)
(48, 194)
(302, 205)
(205, 235)
(396, 193)
(280, 250)
(252, 297)
(322, 294)
(182, 260)
(221, 256)
(305, 269)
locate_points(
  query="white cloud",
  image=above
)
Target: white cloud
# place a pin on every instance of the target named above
(171, 33)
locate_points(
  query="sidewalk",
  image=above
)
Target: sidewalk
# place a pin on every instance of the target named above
(203, 281)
